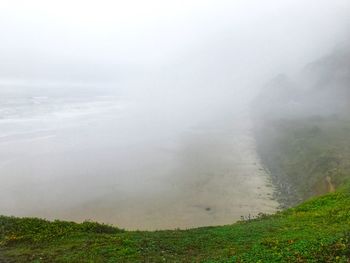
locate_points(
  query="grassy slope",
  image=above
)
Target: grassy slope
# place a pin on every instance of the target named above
(315, 231)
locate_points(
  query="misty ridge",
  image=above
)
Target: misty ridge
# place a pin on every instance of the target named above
(303, 120)
(321, 89)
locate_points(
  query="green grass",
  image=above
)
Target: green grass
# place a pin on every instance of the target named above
(318, 230)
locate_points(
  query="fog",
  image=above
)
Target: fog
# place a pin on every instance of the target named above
(137, 113)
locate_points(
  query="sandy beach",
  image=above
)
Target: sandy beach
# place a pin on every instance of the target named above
(95, 165)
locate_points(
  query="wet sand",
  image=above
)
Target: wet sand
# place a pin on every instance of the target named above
(98, 167)
(220, 179)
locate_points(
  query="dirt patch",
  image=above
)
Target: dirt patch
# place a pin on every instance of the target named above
(331, 187)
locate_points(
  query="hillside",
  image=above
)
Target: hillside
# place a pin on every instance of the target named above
(302, 128)
(322, 88)
(306, 157)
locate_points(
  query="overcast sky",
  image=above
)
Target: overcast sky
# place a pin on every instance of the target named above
(193, 43)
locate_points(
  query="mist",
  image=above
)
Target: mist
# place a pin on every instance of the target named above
(138, 113)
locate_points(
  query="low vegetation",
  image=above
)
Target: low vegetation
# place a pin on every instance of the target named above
(316, 231)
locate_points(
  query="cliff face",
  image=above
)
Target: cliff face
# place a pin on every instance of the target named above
(302, 129)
